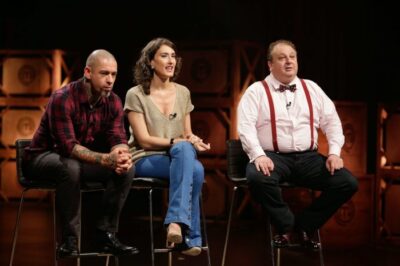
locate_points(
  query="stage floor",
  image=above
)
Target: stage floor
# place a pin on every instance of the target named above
(247, 246)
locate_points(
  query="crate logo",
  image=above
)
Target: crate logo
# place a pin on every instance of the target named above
(346, 213)
(26, 126)
(27, 74)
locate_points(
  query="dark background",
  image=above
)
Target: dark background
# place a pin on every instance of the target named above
(348, 47)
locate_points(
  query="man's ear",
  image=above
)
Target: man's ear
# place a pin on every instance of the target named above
(87, 73)
(269, 64)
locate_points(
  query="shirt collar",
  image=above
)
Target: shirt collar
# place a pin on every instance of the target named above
(276, 83)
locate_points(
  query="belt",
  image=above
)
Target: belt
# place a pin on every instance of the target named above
(295, 152)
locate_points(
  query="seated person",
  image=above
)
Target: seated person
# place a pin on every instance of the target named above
(278, 121)
(162, 141)
(81, 137)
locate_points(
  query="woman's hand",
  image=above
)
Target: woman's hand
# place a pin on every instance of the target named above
(198, 143)
(201, 146)
(193, 138)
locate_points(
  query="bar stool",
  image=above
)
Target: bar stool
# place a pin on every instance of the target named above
(237, 161)
(150, 184)
(47, 185)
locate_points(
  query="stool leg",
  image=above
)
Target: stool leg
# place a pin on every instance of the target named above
(203, 218)
(151, 225)
(321, 255)
(228, 228)
(78, 260)
(53, 205)
(170, 258)
(272, 247)
(278, 257)
(16, 229)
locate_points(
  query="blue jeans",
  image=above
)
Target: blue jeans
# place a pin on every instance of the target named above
(186, 177)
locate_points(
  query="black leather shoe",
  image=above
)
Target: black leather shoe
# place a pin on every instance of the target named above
(108, 243)
(281, 240)
(307, 242)
(68, 248)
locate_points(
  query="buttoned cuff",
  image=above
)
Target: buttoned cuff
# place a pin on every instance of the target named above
(256, 153)
(335, 150)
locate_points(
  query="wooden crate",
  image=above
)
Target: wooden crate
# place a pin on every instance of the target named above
(209, 126)
(19, 124)
(26, 76)
(205, 71)
(352, 224)
(354, 121)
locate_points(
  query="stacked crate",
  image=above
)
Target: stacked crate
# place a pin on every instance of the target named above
(217, 73)
(352, 225)
(27, 80)
(387, 197)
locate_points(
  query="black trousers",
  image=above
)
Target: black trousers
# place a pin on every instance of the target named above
(308, 170)
(69, 174)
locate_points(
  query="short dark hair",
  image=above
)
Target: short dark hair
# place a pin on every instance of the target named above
(275, 43)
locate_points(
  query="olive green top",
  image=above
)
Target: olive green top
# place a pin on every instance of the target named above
(158, 124)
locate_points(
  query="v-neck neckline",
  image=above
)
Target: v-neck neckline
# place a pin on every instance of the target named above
(166, 116)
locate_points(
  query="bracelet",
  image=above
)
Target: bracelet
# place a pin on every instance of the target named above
(171, 141)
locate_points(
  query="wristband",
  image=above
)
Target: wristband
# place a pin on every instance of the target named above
(171, 141)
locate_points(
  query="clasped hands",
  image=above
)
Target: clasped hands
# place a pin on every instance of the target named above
(122, 159)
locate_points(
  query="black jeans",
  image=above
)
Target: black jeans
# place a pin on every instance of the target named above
(306, 170)
(69, 173)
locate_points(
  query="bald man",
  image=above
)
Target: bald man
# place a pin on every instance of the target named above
(81, 138)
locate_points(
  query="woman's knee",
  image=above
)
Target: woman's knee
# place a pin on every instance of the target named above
(198, 173)
(183, 147)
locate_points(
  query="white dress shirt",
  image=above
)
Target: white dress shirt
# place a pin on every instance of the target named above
(292, 119)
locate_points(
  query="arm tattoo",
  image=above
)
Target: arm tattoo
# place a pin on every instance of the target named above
(86, 155)
(111, 161)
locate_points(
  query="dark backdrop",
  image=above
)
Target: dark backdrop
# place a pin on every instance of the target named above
(348, 47)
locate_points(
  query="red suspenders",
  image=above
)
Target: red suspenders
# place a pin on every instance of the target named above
(272, 115)
(273, 119)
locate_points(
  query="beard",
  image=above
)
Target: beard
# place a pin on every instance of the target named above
(105, 94)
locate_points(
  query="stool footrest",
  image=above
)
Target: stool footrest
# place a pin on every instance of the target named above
(90, 254)
(166, 250)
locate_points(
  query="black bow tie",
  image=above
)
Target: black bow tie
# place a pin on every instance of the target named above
(282, 88)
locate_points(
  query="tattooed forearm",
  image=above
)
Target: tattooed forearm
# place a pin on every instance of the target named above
(86, 155)
(111, 160)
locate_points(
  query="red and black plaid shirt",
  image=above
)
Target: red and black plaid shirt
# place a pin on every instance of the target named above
(69, 120)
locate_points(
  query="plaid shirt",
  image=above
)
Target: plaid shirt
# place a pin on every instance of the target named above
(69, 120)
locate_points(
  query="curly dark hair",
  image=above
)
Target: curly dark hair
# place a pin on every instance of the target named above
(142, 70)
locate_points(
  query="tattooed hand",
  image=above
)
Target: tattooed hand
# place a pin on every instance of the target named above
(121, 159)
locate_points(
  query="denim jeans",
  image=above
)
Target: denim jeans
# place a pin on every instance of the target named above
(186, 177)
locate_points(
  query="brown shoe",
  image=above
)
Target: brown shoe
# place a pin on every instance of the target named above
(193, 251)
(174, 233)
